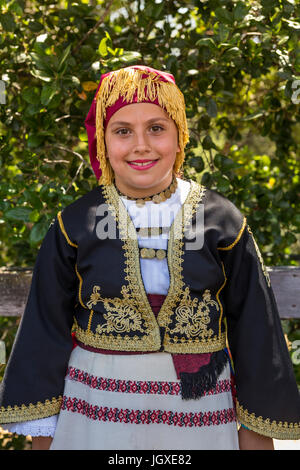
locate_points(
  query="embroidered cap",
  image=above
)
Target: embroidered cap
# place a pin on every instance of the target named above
(119, 88)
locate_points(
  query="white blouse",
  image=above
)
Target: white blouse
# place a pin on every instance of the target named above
(155, 275)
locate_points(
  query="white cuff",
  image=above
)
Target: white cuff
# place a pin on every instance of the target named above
(34, 428)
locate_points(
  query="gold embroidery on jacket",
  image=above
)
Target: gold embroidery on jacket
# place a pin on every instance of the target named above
(192, 316)
(132, 312)
(121, 314)
(266, 274)
(90, 321)
(32, 411)
(95, 297)
(266, 427)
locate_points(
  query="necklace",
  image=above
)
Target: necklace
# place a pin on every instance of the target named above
(156, 198)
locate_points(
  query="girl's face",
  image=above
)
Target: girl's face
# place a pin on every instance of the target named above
(141, 144)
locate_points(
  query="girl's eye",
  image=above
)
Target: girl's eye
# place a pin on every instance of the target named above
(156, 128)
(123, 131)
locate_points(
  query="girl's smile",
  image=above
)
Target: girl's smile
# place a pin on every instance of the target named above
(142, 165)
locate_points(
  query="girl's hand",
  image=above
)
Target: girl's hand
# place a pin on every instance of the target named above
(41, 443)
(250, 440)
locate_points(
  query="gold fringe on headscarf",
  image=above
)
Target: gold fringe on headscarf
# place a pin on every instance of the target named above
(124, 83)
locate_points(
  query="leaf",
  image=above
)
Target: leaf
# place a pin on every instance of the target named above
(35, 26)
(48, 92)
(223, 32)
(41, 62)
(223, 184)
(64, 58)
(231, 53)
(8, 22)
(34, 216)
(30, 95)
(130, 56)
(211, 108)
(204, 122)
(102, 49)
(224, 16)
(207, 42)
(16, 8)
(33, 199)
(34, 141)
(240, 11)
(290, 238)
(38, 232)
(291, 24)
(197, 163)
(207, 143)
(18, 214)
(89, 86)
(41, 75)
(55, 102)
(83, 136)
(206, 179)
(252, 116)
(224, 163)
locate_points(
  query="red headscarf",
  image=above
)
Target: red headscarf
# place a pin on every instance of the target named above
(148, 97)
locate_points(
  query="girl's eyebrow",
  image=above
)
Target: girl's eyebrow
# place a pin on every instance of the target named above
(150, 121)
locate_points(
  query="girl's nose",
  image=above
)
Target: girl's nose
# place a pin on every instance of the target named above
(141, 144)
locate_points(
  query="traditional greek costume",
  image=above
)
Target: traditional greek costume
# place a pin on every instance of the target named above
(176, 333)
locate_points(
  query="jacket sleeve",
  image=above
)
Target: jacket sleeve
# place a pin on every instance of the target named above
(33, 382)
(268, 400)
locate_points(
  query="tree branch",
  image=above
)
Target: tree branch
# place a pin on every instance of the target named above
(76, 49)
(60, 147)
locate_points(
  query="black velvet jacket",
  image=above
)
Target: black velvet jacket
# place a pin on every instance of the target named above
(87, 277)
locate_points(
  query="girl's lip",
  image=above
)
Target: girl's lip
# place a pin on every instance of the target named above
(147, 164)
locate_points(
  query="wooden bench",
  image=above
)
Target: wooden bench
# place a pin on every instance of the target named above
(285, 281)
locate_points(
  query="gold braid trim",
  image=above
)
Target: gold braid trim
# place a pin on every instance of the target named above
(29, 412)
(125, 83)
(80, 287)
(237, 238)
(177, 287)
(266, 427)
(62, 228)
(263, 267)
(219, 302)
(134, 289)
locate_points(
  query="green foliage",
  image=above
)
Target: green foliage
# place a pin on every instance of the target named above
(292, 332)
(237, 63)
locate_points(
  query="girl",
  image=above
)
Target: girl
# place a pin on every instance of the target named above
(176, 334)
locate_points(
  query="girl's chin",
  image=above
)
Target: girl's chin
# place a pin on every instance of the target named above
(142, 186)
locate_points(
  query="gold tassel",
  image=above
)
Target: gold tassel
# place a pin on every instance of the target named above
(124, 83)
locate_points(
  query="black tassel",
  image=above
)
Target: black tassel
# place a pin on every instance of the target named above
(195, 385)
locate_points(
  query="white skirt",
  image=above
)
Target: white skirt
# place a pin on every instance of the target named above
(133, 402)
